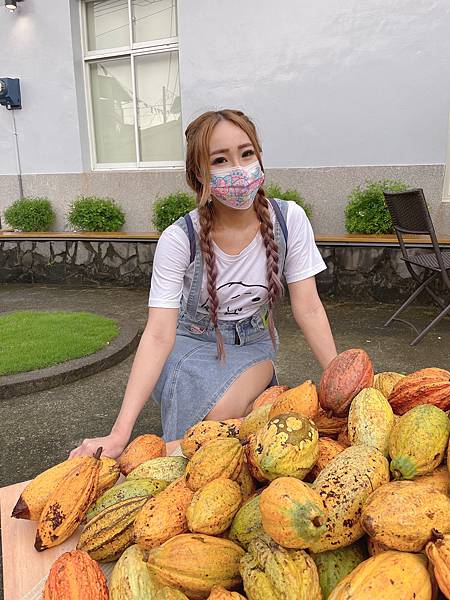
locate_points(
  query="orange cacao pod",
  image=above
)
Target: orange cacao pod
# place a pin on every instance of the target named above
(328, 449)
(301, 399)
(329, 426)
(346, 375)
(421, 388)
(144, 447)
(75, 576)
(269, 395)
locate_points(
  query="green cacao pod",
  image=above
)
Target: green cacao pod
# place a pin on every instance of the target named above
(287, 446)
(247, 523)
(418, 441)
(131, 579)
(166, 468)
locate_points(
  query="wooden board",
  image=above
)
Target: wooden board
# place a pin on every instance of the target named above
(23, 566)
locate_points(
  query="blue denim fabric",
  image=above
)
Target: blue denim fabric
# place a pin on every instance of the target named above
(193, 379)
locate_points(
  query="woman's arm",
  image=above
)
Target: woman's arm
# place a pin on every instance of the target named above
(154, 347)
(311, 317)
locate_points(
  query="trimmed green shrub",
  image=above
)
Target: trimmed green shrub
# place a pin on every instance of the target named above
(91, 213)
(367, 211)
(30, 214)
(274, 191)
(170, 208)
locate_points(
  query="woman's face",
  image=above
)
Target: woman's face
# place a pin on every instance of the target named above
(230, 146)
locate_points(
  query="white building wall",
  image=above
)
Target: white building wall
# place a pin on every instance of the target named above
(37, 48)
(336, 82)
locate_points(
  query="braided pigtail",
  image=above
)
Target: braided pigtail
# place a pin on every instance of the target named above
(275, 287)
(206, 221)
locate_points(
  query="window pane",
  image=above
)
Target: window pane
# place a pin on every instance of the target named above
(159, 106)
(112, 107)
(107, 24)
(154, 19)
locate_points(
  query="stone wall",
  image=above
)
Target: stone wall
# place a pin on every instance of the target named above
(363, 273)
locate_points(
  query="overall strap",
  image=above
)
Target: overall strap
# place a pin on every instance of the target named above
(191, 235)
(280, 218)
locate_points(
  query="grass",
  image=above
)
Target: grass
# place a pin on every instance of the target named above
(31, 340)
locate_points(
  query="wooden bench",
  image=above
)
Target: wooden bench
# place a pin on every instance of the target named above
(336, 240)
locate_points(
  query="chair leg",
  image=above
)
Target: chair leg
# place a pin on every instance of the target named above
(434, 322)
(413, 296)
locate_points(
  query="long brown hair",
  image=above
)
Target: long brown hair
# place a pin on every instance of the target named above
(198, 135)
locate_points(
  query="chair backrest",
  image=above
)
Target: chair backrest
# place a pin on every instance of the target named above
(410, 214)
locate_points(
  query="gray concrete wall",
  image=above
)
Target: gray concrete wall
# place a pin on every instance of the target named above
(326, 188)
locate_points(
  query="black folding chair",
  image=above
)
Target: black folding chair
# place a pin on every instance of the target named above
(410, 215)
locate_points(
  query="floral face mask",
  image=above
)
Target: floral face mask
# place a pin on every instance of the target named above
(236, 187)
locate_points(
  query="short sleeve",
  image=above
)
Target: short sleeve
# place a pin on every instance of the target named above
(170, 263)
(303, 257)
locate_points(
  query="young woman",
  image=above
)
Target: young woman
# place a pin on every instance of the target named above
(209, 346)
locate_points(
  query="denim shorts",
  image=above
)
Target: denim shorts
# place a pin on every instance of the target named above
(183, 391)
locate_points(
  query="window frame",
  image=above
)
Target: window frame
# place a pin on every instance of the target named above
(89, 57)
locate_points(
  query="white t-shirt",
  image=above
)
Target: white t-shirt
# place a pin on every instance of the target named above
(241, 278)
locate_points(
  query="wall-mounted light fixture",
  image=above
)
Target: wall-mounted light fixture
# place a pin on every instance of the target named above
(11, 5)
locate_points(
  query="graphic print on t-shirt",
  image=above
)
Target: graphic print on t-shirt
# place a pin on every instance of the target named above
(239, 294)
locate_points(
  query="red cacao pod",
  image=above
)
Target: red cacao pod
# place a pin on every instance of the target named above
(346, 375)
(427, 386)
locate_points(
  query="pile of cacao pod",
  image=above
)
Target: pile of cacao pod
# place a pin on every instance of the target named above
(340, 492)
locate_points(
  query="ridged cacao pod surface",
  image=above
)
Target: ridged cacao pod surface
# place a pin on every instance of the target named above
(388, 576)
(413, 511)
(347, 374)
(385, 381)
(213, 507)
(431, 386)
(418, 441)
(328, 449)
(75, 576)
(370, 420)
(254, 421)
(195, 563)
(205, 431)
(217, 458)
(269, 395)
(292, 513)
(271, 572)
(131, 579)
(302, 399)
(164, 468)
(247, 523)
(438, 552)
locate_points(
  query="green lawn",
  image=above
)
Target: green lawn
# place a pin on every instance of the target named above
(32, 340)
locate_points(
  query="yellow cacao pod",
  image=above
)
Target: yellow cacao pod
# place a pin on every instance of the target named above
(163, 516)
(164, 468)
(413, 511)
(344, 486)
(75, 576)
(131, 579)
(328, 449)
(143, 448)
(36, 494)
(390, 575)
(302, 399)
(246, 482)
(370, 420)
(385, 382)
(213, 507)
(292, 513)
(270, 572)
(438, 552)
(205, 431)
(195, 563)
(254, 421)
(217, 458)
(220, 593)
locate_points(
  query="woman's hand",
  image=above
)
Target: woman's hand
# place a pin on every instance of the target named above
(112, 444)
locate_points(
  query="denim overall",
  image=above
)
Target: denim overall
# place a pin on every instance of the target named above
(193, 379)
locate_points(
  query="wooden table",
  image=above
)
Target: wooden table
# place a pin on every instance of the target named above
(23, 566)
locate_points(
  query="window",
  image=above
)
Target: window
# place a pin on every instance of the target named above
(133, 83)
